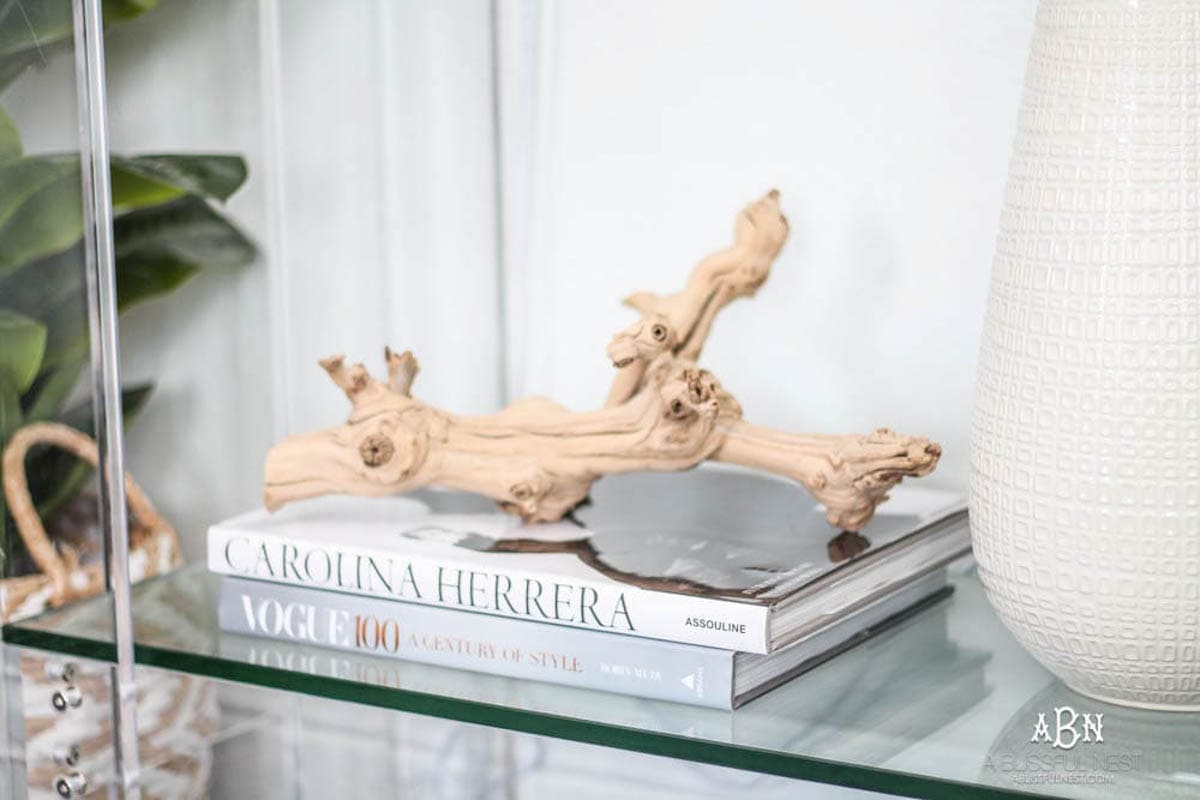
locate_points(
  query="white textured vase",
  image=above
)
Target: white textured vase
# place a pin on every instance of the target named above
(1085, 488)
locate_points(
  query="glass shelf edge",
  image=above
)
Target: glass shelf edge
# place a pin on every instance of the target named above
(902, 784)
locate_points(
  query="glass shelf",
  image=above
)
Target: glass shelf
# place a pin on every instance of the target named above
(943, 704)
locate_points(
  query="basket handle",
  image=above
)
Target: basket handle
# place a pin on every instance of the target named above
(20, 504)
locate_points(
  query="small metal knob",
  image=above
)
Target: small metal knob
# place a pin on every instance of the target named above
(66, 697)
(61, 671)
(71, 785)
(67, 755)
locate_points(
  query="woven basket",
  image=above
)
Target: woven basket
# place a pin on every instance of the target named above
(176, 714)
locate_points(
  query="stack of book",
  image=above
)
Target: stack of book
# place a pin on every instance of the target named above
(707, 588)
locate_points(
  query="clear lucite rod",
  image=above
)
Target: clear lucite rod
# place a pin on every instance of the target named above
(100, 269)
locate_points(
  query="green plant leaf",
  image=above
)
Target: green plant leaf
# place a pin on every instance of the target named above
(22, 346)
(208, 175)
(131, 190)
(22, 179)
(34, 25)
(10, 410)
(148, 274)
(49, 221)
(140, 277)
(41, 285)
(40, 209)
(54, 291)
(10, 138)
(158, 249)
(45, 398)
(32, 32)
(55, 475)
(188, 229)
(41, 206)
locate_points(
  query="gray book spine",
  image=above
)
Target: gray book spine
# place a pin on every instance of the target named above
(610, 662)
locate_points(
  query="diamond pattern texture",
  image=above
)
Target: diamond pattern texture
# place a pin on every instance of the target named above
(1085, 487)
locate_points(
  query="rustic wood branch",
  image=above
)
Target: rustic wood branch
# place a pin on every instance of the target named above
(850, 474)
(402, 370)
(535, 458)
(680, 323)
(539, 460)
(663, 412)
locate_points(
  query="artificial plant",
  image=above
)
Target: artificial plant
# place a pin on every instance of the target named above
(165, 230)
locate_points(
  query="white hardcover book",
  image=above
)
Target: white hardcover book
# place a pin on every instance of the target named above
(714, 557)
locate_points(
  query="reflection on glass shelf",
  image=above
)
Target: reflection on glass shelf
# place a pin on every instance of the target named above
(1122, 752)
(284, 745)
(933, 705)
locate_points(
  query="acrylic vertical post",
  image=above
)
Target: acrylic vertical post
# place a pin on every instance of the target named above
(100, 269)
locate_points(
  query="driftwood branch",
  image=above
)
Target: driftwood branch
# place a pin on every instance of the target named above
(680, 323)
(535, 458)
(664, 412)
(850, 474)
(402, 370)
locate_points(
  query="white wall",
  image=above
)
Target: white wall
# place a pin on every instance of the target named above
(388, 198)
(886, 125)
